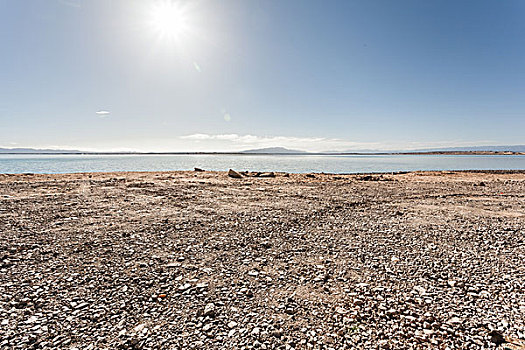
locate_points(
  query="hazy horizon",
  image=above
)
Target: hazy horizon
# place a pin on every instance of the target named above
(188, 76)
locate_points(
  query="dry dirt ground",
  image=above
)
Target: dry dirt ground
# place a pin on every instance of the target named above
(176, 260)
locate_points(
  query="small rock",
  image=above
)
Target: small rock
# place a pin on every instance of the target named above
(232, 173)
(454, 320)
(341, 310)
(209, 310)
(420, 290)
(270, 174)
(141, 327)
(392, 312)
(184, 287)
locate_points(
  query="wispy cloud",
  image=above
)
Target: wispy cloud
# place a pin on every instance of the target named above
(102, 113)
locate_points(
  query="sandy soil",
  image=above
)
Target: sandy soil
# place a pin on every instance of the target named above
(173, 260)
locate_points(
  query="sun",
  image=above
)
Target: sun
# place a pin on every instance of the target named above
(170, 20)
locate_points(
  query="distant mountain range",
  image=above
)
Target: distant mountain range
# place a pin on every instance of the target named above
(36, 150)
(274, 150)
(515, 148)
(282, 150)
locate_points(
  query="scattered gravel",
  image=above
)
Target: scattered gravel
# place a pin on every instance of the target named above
(177, 260)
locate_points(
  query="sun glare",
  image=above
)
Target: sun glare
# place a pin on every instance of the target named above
(170, 20)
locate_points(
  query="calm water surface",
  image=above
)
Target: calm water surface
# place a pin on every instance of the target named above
(13, 164)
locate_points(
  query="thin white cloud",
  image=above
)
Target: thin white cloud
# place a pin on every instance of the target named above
(102, 113)
(197, 67)
(196, 137)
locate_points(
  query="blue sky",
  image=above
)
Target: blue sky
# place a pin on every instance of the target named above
(236, 74)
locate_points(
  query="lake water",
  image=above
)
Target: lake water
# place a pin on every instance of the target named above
(13, 164)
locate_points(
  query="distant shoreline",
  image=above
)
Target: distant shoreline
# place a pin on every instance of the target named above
(453, 153)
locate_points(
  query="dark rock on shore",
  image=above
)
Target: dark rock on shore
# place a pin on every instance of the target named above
(234, 174)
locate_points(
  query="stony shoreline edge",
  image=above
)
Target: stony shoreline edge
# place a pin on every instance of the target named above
(401, 172)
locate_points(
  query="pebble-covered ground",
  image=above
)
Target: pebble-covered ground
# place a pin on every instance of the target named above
(182, 260)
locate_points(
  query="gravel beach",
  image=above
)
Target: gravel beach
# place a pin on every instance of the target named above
(181, 260)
